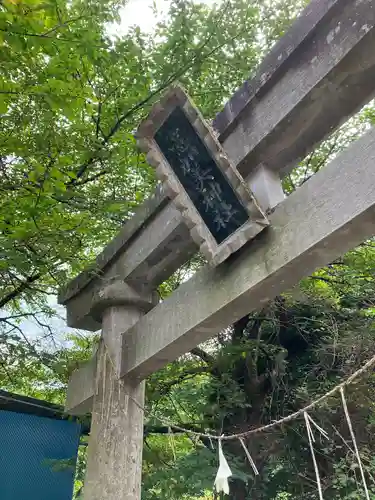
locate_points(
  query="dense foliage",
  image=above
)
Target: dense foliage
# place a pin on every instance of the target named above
(70, 99)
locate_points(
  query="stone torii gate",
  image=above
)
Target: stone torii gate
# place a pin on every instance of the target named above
(320, 73)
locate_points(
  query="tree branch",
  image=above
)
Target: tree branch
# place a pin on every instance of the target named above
(19, 289)
(203, 355)
(192, 372)
(196, 58)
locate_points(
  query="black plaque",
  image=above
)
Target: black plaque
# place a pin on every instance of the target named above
(209, 190)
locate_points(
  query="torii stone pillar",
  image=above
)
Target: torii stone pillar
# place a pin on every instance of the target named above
(114, 463)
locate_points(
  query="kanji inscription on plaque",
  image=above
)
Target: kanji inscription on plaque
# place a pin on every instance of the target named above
(214, 200)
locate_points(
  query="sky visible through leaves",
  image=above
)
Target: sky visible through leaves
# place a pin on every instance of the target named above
(136, 13)
(141, 13)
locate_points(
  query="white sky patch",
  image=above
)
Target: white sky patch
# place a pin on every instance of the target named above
(34, 331)
(140, 13)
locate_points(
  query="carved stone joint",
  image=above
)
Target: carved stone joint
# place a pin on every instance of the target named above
(118, 293)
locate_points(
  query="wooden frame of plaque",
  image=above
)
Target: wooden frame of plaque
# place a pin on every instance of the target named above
(216, 204)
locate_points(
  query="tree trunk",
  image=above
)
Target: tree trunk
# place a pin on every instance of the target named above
(237, 490)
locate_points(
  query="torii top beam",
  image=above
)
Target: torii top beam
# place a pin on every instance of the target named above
(316, 76)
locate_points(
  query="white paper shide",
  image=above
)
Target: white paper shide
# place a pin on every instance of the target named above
(224, 472)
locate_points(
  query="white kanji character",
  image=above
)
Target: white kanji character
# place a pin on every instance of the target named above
(200, 177)
(212, 196)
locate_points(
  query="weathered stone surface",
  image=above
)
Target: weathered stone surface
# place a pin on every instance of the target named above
(217, 205)
(81, 389)
(330, 214)
(160, 246)
(321, 72)
(317, 75)
(113, 297)
(114, 462)
(267, 184)
(117, 293)
(275, 61)
(130, 231)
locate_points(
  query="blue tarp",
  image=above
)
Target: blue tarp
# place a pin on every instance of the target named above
(31, 449)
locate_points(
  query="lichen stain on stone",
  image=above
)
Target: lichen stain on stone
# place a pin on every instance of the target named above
(263, 78)
(330, 36)
(366, 28)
